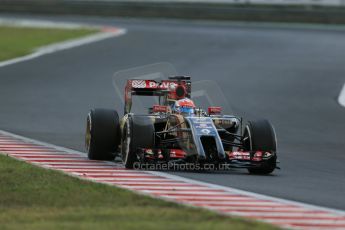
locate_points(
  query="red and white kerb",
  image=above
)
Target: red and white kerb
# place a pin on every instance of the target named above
(225, 200)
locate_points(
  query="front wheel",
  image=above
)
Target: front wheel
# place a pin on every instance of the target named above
(138, 132)
(102, 134)
(259, 135)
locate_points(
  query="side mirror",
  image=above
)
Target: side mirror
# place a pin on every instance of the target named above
(180, 91)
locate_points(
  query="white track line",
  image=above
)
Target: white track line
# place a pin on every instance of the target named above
(39, 23)
(341, 98)
(106, 32)
(224, 200)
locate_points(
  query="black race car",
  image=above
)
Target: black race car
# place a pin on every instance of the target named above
(163, 136)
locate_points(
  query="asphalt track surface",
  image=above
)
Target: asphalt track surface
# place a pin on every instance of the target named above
(290, 75)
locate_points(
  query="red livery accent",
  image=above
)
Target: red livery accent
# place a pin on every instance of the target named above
(177, 153)
(239, 155)
(214, 110)
(160, 109)
(163, 85)
(258, 156)
(151, 84)
(174, 153)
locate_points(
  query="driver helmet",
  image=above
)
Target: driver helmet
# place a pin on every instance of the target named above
(184, 106)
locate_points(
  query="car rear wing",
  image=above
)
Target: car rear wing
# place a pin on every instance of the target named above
(174, 88)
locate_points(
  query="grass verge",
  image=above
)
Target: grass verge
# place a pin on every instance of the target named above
(37, 198)
(19, 41)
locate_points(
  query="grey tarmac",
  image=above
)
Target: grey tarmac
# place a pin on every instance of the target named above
(289, 74)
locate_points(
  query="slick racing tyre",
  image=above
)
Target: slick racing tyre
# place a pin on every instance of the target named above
(259, 135)
(103, 134)
(138, 132)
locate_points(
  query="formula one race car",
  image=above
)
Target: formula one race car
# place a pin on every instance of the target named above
(175, 130)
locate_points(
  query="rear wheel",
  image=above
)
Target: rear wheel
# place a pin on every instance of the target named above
(103, 134)
(259, 135)
(138, 132)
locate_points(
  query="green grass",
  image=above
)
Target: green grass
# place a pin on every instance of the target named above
(19, 41)
(37, 198)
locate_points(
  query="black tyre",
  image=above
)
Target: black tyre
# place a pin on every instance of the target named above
(103, 134)
(259, 135)
(138, 132)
